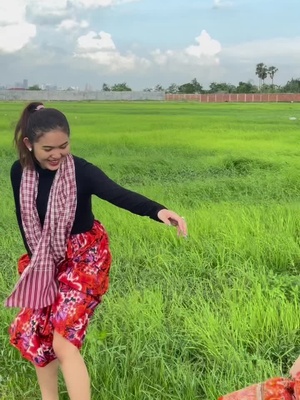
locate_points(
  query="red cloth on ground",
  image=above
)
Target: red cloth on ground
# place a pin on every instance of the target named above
(272, 389)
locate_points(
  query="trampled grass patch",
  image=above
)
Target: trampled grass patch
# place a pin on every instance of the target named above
(183, 319)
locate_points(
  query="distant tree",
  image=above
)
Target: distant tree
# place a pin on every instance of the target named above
(292, 86)
(173, 89)
(34, 87)
(187, 88)
(191, 87)
(105, 88)
(148, 90)
(272, 71)
(265, 88)
(246, 87)
(222, 87)
(121, 87)
(158, 88)
(262, 73)
(213, 87)
(197, 87)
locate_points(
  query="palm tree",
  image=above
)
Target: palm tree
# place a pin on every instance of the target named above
(261, 72)
(272, 71)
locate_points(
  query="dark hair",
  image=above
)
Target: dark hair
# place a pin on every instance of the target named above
(34, 122)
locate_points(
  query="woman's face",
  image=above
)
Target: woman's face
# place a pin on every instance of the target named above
(50, 149)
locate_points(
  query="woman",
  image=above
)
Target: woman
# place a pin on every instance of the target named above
(65, 271)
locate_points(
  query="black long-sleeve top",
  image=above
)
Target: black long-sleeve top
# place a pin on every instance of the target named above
(90, 180)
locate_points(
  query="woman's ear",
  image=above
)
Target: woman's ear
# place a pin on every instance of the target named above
(27, 143)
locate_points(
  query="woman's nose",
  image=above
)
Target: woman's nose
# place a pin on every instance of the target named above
(56, 154)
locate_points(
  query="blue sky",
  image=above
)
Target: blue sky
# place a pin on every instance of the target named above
(147, 42)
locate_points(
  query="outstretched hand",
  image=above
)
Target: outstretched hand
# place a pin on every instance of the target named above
(171, 218)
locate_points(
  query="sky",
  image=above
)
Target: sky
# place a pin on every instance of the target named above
(144, 43)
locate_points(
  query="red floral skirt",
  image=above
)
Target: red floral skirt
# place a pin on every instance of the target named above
(83, 278)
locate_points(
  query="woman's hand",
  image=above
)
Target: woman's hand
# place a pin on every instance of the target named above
(171, 218)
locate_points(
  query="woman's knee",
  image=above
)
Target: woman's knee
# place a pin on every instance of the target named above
(62, 347)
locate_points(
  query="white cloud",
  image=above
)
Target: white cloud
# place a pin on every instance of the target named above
(115, 61)
(222, 4)
(12, 12)
(162, 57)
(92, 42)
(101, 49)
(284, 49)
(15, 37)
(61, 7)
(71, 24)
(206, 52)
(206, 47)
(59, 13)
(15, 32)
(99, 3)
(53, 7)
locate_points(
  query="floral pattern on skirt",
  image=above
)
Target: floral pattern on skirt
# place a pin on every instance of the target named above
(83, 278)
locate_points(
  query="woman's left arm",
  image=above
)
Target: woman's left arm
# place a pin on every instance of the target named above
(105, 188)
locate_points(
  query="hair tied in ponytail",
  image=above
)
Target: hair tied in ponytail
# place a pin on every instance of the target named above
(39, 107)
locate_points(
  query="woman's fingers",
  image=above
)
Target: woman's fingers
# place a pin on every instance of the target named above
(181, 225)
(171, 218)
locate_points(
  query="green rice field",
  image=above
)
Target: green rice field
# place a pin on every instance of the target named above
(191, 318)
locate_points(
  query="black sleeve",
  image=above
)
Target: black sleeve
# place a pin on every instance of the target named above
(16, 176)
(105, 188)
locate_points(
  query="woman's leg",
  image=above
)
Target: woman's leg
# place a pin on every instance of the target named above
(295, 370)
(48, 380)
(73, 368)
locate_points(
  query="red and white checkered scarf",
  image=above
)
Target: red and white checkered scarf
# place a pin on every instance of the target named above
(37, 286)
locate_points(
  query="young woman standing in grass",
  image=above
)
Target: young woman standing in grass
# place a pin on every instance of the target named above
(64, 273)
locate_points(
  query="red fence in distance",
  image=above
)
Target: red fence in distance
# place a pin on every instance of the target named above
(236, 97)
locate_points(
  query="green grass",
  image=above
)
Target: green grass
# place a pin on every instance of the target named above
(183, 319)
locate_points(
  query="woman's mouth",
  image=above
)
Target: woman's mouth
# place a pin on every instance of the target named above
(54, 163)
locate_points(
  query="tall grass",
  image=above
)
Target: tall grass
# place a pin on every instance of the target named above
(184, 319)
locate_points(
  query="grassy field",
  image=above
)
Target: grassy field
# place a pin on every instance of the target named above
(183, 319)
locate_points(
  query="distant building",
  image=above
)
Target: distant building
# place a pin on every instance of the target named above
(25, 83)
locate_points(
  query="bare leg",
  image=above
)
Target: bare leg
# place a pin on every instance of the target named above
(73, 368)
(295, 370)
(48, 380)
